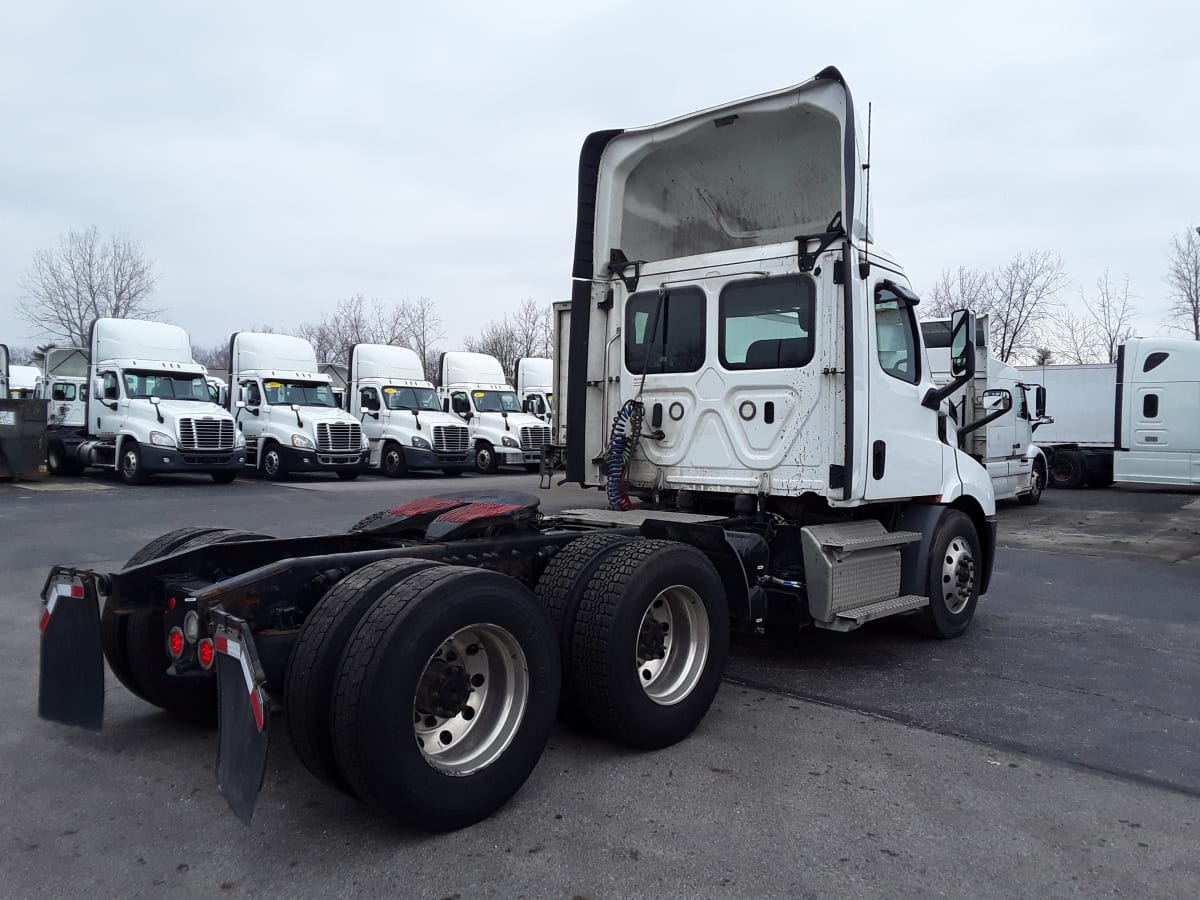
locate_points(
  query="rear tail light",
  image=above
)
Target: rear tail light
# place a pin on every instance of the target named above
(175, 642)
(206, 652)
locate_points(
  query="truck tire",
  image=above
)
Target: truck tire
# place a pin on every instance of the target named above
(650, 642)
(560, 589)
(191, 698)
(314, 661)
(391, 460)
(1069, 469)
(129, 465)
(58, 462)
(274, 466)
(114, 627)
(1037, 484)
(348, 474)
(446, 696)
(485, 459)
(953, 577)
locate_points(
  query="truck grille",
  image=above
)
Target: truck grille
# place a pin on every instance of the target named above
(339, 436)
(450, 439)
(533, 437)
(206, 434)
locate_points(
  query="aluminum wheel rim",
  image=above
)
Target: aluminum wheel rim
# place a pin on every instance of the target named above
(271, 462)
(958, 575)
(497, 674)
(484, 459)
(129, 463)
(391, 461)
(672, 645)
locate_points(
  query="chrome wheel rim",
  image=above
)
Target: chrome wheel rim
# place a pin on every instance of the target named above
(391, 462)
(483, 459)
(271, 462)
(129, 463)
(672, 645)
(470, 699)
(958, 575)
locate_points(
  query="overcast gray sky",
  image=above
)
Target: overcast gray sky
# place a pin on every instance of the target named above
(273, 158)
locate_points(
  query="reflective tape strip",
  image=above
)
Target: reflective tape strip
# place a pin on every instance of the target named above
(72, 590)
(234, 649)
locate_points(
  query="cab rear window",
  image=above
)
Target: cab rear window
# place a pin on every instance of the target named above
(665, 332)
(767, 324)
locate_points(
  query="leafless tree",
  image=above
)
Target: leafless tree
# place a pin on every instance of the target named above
(526, 332)
(1022, 295)
(85, 278)
(215, 359)
(1183, 284)
(421, 327)
(354, 320)
(1111, 310)
(963, 289)
(1072, 338)
(23, 356)
(1043, 356)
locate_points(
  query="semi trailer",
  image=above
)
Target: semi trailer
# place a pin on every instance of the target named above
(719, 366)
(1136, 421)
(473, 387)
(996, 414)
(147, 409)
(401, 415)
(287, 410)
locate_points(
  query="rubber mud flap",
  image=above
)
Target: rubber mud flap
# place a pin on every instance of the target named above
(244, 715)
(71, 682)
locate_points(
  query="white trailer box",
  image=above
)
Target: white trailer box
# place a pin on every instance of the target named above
(287, 409)
(1080, 399)
(401, 414)
(474, 387)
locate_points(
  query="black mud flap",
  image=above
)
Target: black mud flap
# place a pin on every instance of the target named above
(244, 714)
(71, 683)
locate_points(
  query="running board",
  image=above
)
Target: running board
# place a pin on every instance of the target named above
(850, 619)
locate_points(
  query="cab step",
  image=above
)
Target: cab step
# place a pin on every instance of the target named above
(849, 619)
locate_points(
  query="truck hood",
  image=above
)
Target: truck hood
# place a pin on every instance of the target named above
(516, 421)
(177, 409)
(753, 172)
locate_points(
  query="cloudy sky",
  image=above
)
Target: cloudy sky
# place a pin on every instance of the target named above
(273, 158)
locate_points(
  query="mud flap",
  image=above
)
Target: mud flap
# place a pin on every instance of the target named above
(71, 676)
(244, 713)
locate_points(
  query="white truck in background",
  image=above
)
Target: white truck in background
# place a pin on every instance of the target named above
(401, 415)
(996, 414)
(22, 382)
(3, 370)
(62, 383)
(474, 387)
(147, 409)
(1136, 421)
(533, 376)
(339, 377)
(286, 408)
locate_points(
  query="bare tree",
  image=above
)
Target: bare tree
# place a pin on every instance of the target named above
(1072, 338)
(1183, 284)
(215, 359)
(1023, 292)
(963, 289)
(23, 356)
(421, 327)
(83, 279)
(1111, 310)
(1043, 356)
(354, 320)
(527, 332)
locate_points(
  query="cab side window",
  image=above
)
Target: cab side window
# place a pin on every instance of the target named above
(459, 402)
(895, 337)
(369, 398)
(251, 393)
(110, 387)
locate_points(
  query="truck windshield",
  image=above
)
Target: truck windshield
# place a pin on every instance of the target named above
(495, 401)
(165, 385)
(411, 398)
(301, 393)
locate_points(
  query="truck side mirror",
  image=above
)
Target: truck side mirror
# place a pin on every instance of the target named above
(962, 347)
(1039, 400)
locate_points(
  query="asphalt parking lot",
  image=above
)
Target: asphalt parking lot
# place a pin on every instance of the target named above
(1054, 750)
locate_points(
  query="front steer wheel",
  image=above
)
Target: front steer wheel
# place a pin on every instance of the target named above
(485, 459)
(129, 465)
(955, 564)
(650, 641)
(445, 697)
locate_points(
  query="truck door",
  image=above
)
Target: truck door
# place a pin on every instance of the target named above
(369, 413)
(903, 452)
(108, 409)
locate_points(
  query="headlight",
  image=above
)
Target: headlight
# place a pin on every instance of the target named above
(365, 443)
(510, 442)
(239, 439)
(304, 443)
(421, 443)
(158, 439)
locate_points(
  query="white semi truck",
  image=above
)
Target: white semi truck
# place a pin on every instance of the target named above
(715, 359)
(62, 383)
(474, 387)
(339, 376)
(1136, 421)
(147, 409)
(3, 370)
(287, 411)
(996, 414)
(533, 376)
(401, 415)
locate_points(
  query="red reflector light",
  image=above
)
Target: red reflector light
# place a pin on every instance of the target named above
(171, 603)
(175, 642)
(206, 653)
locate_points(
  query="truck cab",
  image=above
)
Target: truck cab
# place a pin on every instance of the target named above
(287, 411)
(533, 377)
(147, 409)
(995, 414)
(401, 415)
(1157, 426)
(62, 383)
